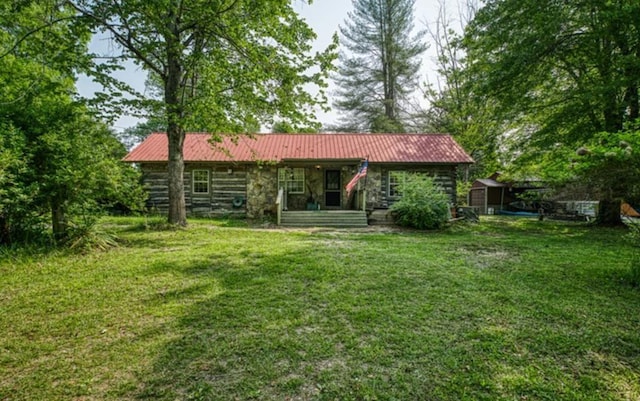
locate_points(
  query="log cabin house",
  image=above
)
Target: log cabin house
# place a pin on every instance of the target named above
(285, 174)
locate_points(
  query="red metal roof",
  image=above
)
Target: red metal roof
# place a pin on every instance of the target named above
(379, 148)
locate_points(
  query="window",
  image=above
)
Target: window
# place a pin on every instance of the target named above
(396, 178)
(200, 181)
(292, 179)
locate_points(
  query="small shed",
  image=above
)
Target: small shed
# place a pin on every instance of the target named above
(489, 195)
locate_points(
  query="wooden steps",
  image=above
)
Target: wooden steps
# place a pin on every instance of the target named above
(324, 218)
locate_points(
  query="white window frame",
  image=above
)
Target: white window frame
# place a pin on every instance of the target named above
(195, 181)
(294, 180)
(398, 173)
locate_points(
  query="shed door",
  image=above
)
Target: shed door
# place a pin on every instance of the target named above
(332, 188)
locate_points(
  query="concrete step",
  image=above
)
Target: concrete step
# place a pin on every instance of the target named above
(324, 218)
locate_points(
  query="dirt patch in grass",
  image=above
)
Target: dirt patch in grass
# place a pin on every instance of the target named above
(490, 257)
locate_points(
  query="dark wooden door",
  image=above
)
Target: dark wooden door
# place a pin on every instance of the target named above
(332, 188)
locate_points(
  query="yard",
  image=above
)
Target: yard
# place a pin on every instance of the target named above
(502, 310)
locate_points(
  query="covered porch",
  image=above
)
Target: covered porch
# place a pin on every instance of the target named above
(313, 194)
(319, 185)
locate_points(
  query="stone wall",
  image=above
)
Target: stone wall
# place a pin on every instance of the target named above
(262, 190)
(373, 183)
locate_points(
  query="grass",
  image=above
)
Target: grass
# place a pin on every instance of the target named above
(503, 310)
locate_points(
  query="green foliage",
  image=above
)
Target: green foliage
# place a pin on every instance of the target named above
(556, 72)
(57, 163)
(453, 107)
(610, 164)
(423, 205)
(86, 236)
(20, 221)
(462, 191)
(68, 165)
(132, 136)
(379, 69)
(282, 127)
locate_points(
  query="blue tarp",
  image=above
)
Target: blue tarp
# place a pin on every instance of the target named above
(521, 214)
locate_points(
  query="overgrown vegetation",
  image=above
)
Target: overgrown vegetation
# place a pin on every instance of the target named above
(502, 310)
(529, 82)
(609, 165)
(59, 165)
(553, 109)
(423, 205)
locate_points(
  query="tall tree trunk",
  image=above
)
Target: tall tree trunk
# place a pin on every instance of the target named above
(609, 213)
(175, 129)
(177, 206)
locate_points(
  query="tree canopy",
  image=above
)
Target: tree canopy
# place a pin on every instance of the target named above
(610, 165)
(452, 108)
(378, 70)
(559, 71)
(58, 164)
(556, 73)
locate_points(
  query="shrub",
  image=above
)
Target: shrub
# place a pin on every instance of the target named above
(87, 235)
(424, 205)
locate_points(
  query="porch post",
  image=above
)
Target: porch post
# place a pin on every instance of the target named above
(285, 201)
(279, 205)
(364, 200)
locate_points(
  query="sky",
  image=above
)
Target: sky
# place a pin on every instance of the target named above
(324, 16)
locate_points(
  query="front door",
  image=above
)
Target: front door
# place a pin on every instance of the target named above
(332, 188)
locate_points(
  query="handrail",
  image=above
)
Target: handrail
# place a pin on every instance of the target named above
(279, 205)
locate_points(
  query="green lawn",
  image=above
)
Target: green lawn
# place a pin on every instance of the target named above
(502, 310)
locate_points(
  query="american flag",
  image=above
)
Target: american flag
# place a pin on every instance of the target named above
(361, 173)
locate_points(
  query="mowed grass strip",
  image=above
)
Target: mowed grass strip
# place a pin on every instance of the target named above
(503, 310)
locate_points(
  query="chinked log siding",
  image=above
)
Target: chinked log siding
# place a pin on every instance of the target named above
(227, 184)
(444, 176)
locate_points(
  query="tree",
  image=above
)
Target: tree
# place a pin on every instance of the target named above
(60, 164)
(282, 127)
(56, 161)
(609, 164)
(378, 71)
(452, 108)
(559, 72)
(134, 135)
(225, 66)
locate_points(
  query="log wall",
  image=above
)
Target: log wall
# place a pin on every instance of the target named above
(445, 176)
(226, 184)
